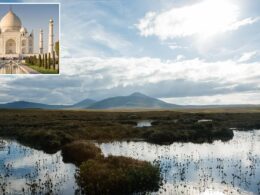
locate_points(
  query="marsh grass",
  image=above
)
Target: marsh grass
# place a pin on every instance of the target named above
(110, 175)
(80, 151)
(118, 175)
(66, 130)
(51, 130)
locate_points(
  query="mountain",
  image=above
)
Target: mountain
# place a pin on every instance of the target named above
(135, 100)
(32, 105)
(28, 105)
(83, 104)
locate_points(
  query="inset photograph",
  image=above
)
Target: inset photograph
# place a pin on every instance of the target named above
(29, 38)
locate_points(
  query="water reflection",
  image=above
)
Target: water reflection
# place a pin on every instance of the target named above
(144, 123)
(219, 168)
(204, 120)
(27, 171)
(11, 67)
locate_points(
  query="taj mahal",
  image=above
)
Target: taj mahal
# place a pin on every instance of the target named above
(16, 41)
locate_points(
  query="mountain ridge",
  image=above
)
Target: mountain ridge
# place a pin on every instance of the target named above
(135, 100)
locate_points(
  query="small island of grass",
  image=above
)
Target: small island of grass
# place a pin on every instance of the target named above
(110, 175)
(118, 175)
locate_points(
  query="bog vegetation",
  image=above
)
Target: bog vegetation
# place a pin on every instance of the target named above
(73, 133)
(120, 175)
(51, 130)
(80, 151)
(110, 175)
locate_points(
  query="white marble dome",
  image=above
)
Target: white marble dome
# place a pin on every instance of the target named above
(10, 22)
(23, 30)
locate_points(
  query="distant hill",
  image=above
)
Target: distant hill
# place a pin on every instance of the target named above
(135, 100)
(28, 105)
(83, 104)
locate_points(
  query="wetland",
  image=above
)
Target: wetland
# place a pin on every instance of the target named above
(55, 152)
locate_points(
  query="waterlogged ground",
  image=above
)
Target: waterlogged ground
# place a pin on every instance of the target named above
(144, 123)
(27, 171)
(219, 168)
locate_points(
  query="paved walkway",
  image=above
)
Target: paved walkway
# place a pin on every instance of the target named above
(15, 67)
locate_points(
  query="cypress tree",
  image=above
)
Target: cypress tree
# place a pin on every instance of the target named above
(34, 60)
(43, 64)
(46, 63)
(49, 60)
(40, 60)
(54, 60)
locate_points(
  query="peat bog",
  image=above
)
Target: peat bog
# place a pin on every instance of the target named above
(73, 132)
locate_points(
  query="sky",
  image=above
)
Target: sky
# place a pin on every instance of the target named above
(181, 51)
(35, 17)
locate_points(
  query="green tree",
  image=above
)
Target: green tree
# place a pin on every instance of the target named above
(49, 60)
(54, 60)
(46, 61)
(40, 60)
(57, 48)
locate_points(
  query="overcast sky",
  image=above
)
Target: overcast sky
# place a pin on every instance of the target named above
(182, 51)
(35, 17)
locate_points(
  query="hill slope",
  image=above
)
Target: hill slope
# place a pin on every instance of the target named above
(135, 100)
(28, 105)
(83, 104)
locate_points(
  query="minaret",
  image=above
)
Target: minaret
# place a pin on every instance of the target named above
(50, 50)
(41, 42)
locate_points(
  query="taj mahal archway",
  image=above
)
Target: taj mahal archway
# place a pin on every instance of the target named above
(10, 47)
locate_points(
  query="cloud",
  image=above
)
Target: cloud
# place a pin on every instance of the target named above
(232, 98)
(98, 78)
(205, 18)
(180, 57)
(247, 56)
(92, 32)
(102, 56)
(127, 71)
(174, 46)
(110, 41)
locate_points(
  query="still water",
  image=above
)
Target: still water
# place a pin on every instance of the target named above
(144, 123)
(27, 171)
(219, 168)
(11, 67)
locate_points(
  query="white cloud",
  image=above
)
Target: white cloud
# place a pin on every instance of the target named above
(113, 41)
(174, 46)
(233, 98)
(93, 33)
(128, 71)
(104, 77)
(205, 18)
(180, 57)
(247, 56)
